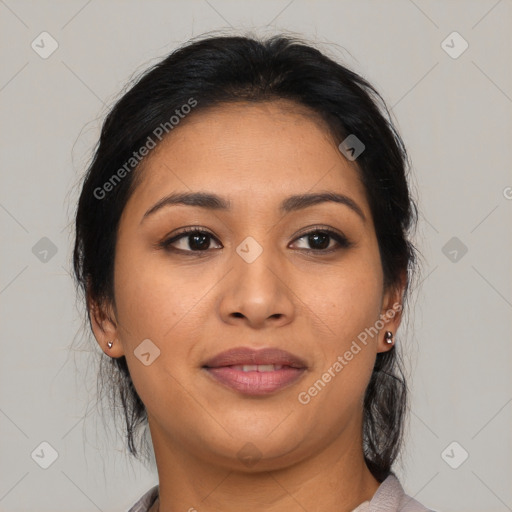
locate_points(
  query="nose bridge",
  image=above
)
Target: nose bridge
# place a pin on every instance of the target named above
(255, 263)
(257, 226)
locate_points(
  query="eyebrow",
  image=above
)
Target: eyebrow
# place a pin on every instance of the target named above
(215, 202)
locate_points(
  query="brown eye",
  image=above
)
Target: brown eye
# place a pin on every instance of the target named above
(195, 240)
(319, 240)
(189, 240)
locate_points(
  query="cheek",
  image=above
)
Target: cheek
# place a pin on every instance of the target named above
(157, 304)
(153, 298)
(353, 297)
(359, 307)
(350, 308)
(165, 304)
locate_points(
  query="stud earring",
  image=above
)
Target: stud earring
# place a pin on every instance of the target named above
(110, 343)
(388, 337)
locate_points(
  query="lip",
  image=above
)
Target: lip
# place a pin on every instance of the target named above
(254, 382)
(246, 355)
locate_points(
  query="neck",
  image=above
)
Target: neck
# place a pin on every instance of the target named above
(335, 478)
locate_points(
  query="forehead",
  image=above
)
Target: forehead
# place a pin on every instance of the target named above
(249, 152)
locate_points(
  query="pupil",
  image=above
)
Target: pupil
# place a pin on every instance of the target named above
(323, 236)
(200, 245)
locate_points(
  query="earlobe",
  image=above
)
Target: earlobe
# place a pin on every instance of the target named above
(104, 328)
(391, 316)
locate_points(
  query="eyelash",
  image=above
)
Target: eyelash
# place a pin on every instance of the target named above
(342, 240)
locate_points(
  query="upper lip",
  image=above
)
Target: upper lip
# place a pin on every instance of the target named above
(246, 356)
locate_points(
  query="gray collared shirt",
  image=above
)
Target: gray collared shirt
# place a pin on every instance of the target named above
(389, 497)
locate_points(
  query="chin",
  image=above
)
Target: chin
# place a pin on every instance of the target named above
(255, 450)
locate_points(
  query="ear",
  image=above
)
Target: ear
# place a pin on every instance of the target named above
(391, 313)
(105, 327)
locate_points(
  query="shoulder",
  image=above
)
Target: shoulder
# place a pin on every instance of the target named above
(145, 501)
(391, 496)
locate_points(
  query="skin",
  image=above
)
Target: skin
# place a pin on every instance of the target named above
(192, 308)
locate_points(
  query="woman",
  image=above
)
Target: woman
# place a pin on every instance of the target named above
(242, 241)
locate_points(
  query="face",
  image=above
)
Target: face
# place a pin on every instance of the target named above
(304, 278)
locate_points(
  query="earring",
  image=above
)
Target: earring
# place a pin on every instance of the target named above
(388, 337)
(110, 343)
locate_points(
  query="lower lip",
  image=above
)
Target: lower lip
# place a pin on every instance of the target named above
(256, 383)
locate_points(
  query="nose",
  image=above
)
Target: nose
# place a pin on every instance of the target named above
(257, 292)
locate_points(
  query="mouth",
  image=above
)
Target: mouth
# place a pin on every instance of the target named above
(255, 372)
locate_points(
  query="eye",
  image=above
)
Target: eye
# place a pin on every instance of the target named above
(320, 239)
(196, 239)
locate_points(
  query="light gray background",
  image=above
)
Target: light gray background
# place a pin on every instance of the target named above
(455, 118)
